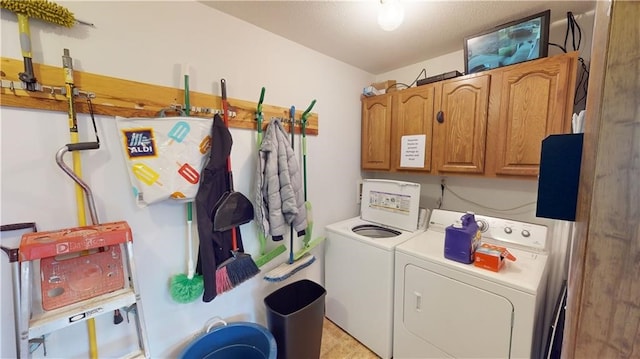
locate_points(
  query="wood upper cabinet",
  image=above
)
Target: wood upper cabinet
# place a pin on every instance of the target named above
(490, 123)
(413, 113)
(376, 132)
(461, 125)
(535, 100)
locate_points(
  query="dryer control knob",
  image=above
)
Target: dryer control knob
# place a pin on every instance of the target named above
(482, 225)
(507, 230)
(525, 233)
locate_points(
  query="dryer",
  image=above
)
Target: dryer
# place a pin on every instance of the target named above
(447, 309)
(359, 261)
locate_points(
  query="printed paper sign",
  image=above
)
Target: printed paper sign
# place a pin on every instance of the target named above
(412, 151)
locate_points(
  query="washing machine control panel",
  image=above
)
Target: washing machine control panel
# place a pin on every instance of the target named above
(497, 230)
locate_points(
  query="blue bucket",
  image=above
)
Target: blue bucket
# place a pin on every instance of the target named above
(232, 341)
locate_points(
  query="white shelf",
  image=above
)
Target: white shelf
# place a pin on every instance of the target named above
(52, 320)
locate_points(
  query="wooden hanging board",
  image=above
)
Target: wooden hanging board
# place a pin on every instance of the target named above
(125, 98)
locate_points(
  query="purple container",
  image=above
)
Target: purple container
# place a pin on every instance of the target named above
(461, 240)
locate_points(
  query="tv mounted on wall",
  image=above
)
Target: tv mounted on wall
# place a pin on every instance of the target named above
(516, 41)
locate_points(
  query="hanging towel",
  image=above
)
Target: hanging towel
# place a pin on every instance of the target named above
(279, 196)
(215, 246)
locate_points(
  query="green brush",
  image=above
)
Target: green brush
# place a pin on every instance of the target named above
(187, 288)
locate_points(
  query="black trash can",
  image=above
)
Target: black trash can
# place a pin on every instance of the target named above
(295, 314)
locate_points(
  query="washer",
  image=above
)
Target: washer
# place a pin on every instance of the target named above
(359, 261)
(447, 309)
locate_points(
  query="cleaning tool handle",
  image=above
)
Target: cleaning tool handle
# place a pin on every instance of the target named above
(305, 114)
(259, 117)
(187, 103)
(25, 35)
(225, 117)
(81, 146)
(292, 118)
(261, 100)
(28, 76)
(304, 118)
(190, 267)
(223, 86)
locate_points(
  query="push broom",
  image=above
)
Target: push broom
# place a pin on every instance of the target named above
(187, 288)
(307, 243)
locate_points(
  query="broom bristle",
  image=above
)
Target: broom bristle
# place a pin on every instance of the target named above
(235, 271)
(242, 268)
(185, 290)
(41, 9)
(223, 283)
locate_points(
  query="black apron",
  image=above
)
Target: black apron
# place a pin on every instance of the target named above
(215, 247)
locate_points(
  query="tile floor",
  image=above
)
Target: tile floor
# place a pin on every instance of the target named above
(337, 344)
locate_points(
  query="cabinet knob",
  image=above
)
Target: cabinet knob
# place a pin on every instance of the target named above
(440, 117)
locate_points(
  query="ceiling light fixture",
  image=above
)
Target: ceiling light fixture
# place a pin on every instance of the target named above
(390, 14)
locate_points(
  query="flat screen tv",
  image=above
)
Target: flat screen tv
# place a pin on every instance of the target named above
(516, 41)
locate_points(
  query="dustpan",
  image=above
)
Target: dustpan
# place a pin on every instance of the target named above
(233, 208)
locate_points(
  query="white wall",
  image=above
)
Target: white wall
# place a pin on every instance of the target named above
(148, 42)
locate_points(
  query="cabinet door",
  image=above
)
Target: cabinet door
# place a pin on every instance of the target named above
(376, 132)
(461, 126)
(413, 116)
(534, 103)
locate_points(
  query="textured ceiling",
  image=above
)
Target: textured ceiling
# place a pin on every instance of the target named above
(348, 31)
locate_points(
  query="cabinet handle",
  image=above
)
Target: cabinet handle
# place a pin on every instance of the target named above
(440, 117)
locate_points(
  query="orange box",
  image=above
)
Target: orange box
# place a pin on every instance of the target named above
(387, 86)
(491, 257)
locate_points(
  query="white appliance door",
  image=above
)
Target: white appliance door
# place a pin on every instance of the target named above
(391, 203)
(466, 322)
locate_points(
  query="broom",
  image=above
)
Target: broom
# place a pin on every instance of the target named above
(240, 266)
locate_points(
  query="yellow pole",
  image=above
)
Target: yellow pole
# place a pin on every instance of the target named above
(67, 66)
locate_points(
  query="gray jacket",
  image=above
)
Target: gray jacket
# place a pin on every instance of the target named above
(279, 197)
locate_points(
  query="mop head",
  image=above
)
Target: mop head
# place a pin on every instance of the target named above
(40, 9)
(286, 270)
(185, 290)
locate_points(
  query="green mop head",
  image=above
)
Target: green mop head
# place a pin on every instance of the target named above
(185, 290)
(40, 9)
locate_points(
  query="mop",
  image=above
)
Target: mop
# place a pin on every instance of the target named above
(292, 266)
(307, 243)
